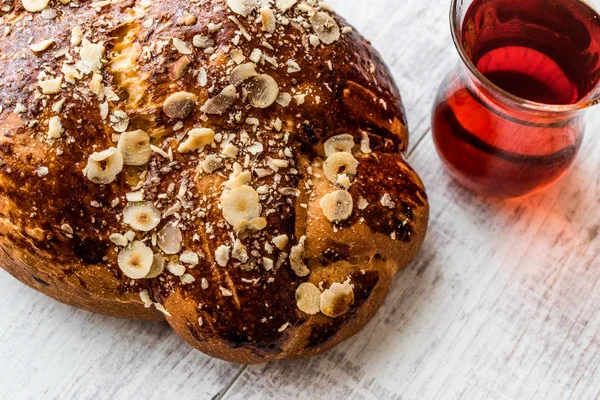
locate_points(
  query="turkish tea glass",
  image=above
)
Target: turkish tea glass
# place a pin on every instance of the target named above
(508, 121)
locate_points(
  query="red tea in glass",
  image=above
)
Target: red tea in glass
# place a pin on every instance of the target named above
(508, 122)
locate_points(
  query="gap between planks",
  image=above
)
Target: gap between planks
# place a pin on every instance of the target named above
(227, 387)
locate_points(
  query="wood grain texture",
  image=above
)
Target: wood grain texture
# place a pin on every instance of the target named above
(501, 304)
(51, 351)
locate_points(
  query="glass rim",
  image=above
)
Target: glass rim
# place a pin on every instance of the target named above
(456, 31)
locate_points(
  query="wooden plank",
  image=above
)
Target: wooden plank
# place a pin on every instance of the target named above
(52, 351)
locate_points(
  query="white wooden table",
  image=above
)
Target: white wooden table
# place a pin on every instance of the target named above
(503, 302)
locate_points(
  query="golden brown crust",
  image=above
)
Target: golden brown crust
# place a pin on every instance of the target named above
(64, 229)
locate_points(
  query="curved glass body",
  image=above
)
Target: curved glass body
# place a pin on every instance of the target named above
(507, 121)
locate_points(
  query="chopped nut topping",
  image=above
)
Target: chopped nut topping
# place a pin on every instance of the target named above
(362, 203)
(119, 121)
(41, 46)
(71, 74)
(135, 196)
(202, 42)
(49, 13)
(336, 300)
(196, 140)
(225, 292)
(256, 56)
(237, 56)
(387, 201)
(179, 105)
(284, 99)
(51, 86)
(55, 128)
(91, 57)
(135, 260)
(297, 259)
(314, 40)
(202, 77)
(248, 228)
(187, 20)
(283, 327)
(212, 27)
(66, 228)
(189, 257)
(145, 297)
(181, 46)
(343, 181)
(176, 269)
(162, 309)
(269, 23)
(242, 7)
(337, 206)
(267, 264)
(300, 98)
(76, 36)
(96, 85)
(186, 279)
(293, 66)
(230, 151)
(239, 180)
(280, 241)
(180, 67)
(364, 143)
(118, 239)
(211, 164)
(222, 255)
(284, 5)
(241, 73)
(233, 64)
(221, 102)
(42, 171)
(239, 251)
(308, 298)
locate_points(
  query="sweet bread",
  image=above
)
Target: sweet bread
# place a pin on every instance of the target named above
(234, 167)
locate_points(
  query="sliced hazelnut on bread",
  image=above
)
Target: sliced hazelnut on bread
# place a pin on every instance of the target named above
(308, 298)
(339, 144)
(340, 164)
(142, 216)
(262, 91)
(135, 147)
(336, 300)
(103, 167)
(337, 206)
(136, 260)
(179, 105)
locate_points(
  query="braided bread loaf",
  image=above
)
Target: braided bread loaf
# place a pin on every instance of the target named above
(232, 166)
